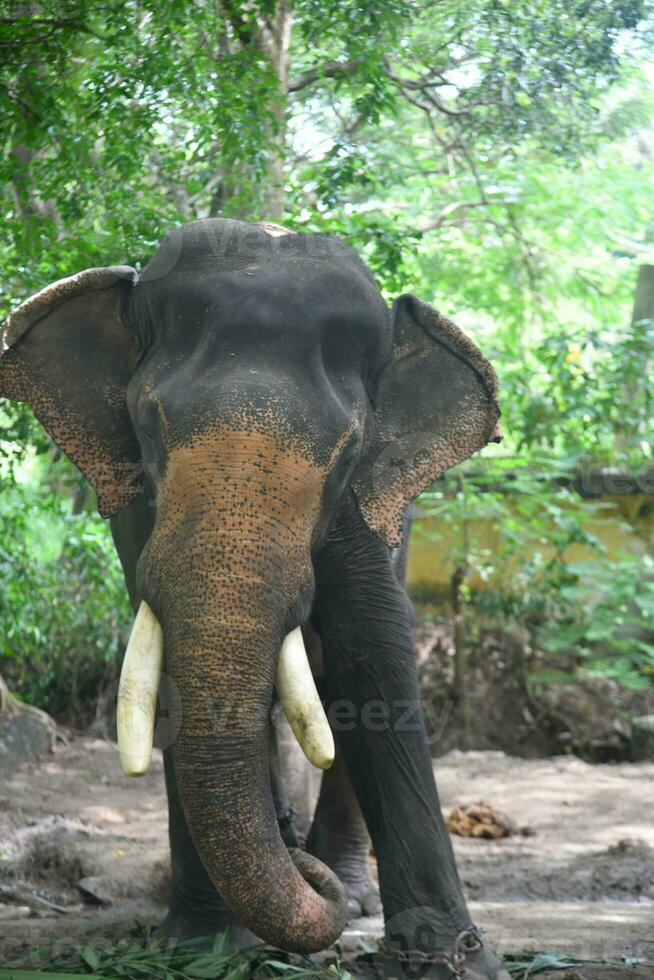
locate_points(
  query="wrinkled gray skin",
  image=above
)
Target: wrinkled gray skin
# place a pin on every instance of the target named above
(282, 419)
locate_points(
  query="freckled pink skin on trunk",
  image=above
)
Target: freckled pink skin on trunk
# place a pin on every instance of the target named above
(226, 561)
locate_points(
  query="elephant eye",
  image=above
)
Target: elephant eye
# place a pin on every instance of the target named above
(349, 455)
(139, 350)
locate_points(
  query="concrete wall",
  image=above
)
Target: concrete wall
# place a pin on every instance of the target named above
(624, 523)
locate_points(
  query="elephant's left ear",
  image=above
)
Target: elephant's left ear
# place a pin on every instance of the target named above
(66, 351)
(436, 404)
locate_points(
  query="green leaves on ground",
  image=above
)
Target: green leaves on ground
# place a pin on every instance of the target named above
(185, 961)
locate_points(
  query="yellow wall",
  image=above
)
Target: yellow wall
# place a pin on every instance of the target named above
(626, 524)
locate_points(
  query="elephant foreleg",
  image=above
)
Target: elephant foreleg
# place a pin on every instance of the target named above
(365, 622)
(283, 807)
(339, 837)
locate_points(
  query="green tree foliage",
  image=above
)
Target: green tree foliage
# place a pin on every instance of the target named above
(63, 605)
(494, 157)
(121, 119)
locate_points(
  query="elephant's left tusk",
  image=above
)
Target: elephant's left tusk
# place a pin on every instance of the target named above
(137, 692)
(297, 692)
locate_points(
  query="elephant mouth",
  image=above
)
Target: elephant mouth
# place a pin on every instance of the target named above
(139, 685)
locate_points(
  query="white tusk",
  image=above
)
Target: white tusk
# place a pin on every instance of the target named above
(297, 692)
(137, 692)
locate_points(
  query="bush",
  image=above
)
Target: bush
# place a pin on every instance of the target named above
(63, 605)
(591, 618)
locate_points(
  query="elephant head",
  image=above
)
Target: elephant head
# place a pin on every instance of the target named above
(247, 382)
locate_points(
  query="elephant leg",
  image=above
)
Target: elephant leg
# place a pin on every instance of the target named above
(195, 907)
(339, 838)
(283, 807)
(366, 624)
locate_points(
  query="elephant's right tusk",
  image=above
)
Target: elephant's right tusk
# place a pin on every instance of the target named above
(297, 692)
(137, 692)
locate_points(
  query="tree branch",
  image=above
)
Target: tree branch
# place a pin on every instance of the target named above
(450, 209)
(329, 69)
(241, 28)
(72, 24)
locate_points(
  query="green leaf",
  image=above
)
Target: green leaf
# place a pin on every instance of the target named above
(90, 956)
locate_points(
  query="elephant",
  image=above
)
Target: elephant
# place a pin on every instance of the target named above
(256, 422)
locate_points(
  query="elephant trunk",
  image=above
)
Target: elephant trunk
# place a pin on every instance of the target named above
(223, 664)
(228, 559)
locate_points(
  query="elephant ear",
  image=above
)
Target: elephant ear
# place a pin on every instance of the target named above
(436, 404)
(66, 351)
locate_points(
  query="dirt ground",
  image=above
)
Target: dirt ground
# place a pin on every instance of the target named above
(76, 833)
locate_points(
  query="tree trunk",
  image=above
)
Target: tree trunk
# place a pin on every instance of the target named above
(635, 394)
(644, 298)
(460, 657)
(276, 44)
(272, 37)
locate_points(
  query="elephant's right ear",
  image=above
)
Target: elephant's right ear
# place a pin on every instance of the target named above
(66, 351)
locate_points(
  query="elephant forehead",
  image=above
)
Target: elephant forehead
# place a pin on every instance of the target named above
(271, 300)
(234, 490)
(239, 505)
(265, 301)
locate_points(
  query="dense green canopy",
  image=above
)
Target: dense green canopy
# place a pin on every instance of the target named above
(494, 157)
